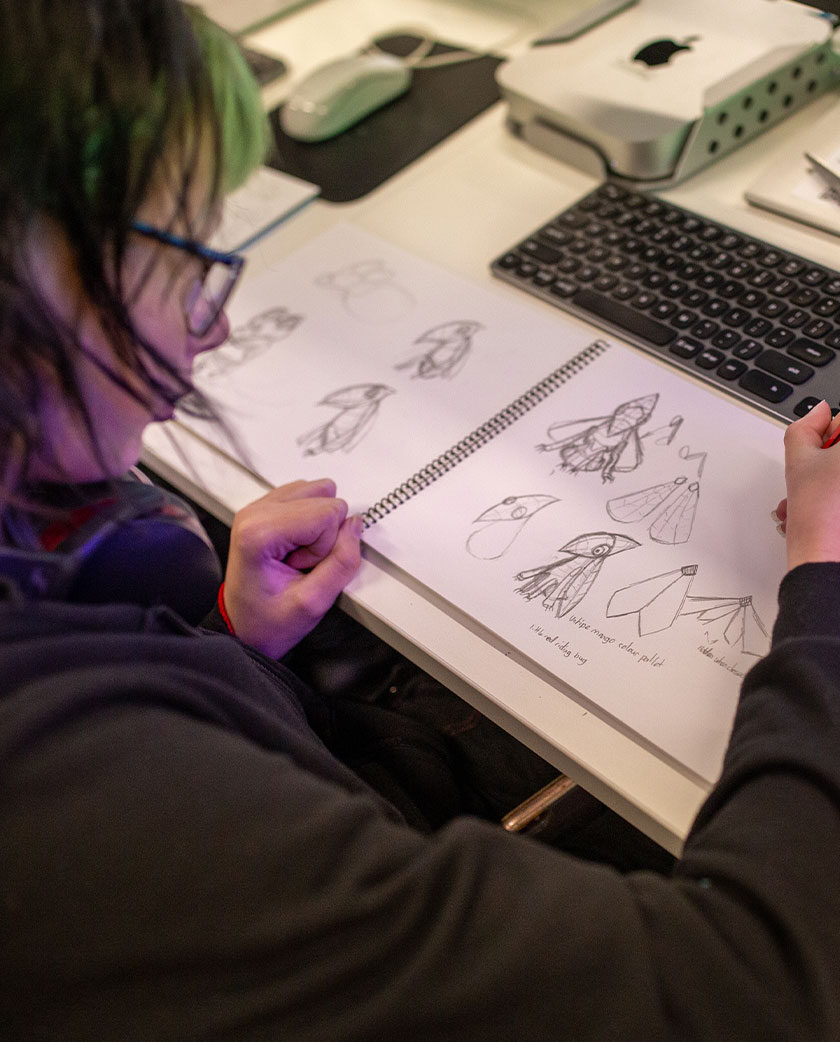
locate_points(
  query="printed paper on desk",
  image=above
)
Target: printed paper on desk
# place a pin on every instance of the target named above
(266, 198)
(354, 359)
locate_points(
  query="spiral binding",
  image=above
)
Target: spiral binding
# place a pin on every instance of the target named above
(482, 435)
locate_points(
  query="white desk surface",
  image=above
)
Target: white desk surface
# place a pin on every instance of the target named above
(460, 205)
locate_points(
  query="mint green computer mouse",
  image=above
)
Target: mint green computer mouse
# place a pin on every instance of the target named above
(339, 94)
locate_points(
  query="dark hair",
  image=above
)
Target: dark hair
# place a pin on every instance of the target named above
(92, 94)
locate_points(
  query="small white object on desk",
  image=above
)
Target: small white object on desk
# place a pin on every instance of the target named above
(799, 186)
(267, 198)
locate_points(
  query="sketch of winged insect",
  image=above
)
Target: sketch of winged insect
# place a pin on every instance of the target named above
(452, 342)
(499, 525)
(657, 601)
(368, 291)
(731, 619)
(563, 583)
(358, 406)
(674, 524)
(611, 444)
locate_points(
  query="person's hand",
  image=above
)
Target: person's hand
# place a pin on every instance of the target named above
(291, 554)
(810, 515)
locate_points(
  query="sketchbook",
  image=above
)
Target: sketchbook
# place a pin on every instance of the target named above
(602, 515)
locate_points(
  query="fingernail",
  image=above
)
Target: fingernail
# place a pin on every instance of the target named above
(775, 517)
(357, 525)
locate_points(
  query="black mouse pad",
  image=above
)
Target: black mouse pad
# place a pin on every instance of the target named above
(440, 100)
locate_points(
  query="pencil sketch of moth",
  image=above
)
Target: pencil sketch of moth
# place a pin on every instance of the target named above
(657, 601)
(733, 620)
(500, 524)
(610, 444)
(451, 345)
(563, 583)
(676, 500)
(358, 406)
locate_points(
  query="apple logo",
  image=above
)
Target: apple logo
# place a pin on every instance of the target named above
(660, 52)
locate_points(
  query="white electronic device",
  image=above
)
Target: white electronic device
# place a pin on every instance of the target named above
(662, 88)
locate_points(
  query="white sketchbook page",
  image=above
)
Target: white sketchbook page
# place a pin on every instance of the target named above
(355, 360)
(669, 676)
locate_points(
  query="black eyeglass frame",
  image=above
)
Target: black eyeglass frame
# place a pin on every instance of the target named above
(234, 262)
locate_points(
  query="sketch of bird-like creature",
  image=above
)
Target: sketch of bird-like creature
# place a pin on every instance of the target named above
(358, 406)
(451, 345)
(248, 341)
(610, 444)
(563, 583)
(499, 525)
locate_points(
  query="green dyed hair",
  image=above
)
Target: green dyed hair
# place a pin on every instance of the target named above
(100, 100)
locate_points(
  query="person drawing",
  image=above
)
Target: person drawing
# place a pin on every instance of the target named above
(194, 844)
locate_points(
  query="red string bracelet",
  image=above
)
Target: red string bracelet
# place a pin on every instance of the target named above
(223, 611)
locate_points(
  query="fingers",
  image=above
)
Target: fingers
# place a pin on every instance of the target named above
(331, 574)
(810, 431)
(301, 489)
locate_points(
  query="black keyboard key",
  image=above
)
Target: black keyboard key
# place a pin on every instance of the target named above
(704, 329)
(540, 252)
(563, 287)
(804, 298)
(806, 405)
(826, 306)
(736, 317)
(817, 329)
(731, 369)
(780, 337)
(554, 236)
(684, 319)
(685, 347)
(757, 327)
(792, 267)
(808, 351)
(780, 365)
(710, 358)
(747, 349)
(509, 261)
(726, 339)
(795, 318)
(773, 308)
(623, 316)
(765, 386)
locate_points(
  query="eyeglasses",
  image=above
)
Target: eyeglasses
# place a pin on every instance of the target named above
(206, 299)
